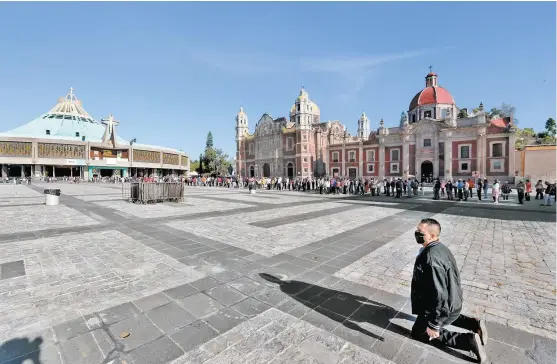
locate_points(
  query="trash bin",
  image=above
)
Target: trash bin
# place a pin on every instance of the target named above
(52, 197)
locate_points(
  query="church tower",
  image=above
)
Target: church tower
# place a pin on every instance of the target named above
(241, 131)
(241, 124)
(303, 112)
(363, 127)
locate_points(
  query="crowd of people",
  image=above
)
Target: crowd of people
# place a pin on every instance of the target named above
(464, 190)
(461, 189)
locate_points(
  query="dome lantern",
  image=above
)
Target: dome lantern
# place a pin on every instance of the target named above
(432, 94)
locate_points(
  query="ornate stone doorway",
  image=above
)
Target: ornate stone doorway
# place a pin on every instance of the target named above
(266, 170)
(427, 171)
(290, 170)
(252, 171)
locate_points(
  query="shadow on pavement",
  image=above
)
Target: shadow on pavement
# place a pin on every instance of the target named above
(17, 351)
(351, 310)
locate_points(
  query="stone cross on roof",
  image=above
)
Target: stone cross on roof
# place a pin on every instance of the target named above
(110, 132)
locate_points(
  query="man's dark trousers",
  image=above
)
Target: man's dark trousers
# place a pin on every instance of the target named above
(453, 339)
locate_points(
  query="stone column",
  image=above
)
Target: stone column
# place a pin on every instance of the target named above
(381, 159)
(343, 172)
(512, 167)
(22, 171)
(435, 144)
(480, 156)
(405, 157)
(448, 156)
(361, 159)
(4, 171)
(483, 171)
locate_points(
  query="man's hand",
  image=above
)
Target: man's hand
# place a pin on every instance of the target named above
(432, 333)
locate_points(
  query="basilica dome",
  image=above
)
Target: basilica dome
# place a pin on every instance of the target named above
(303, 96)
(431, 94)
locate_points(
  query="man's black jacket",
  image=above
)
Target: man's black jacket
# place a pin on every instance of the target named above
(436, 291)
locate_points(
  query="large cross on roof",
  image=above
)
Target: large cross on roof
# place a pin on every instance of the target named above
(109, 134)
(110, 123)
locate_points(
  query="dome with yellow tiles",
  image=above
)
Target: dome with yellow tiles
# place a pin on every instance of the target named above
(303, 96)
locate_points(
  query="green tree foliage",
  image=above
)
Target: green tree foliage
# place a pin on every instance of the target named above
(200, 168)
(209, 141)
(526, 136)
(529, 136)
(550, 127)
(505, 110)
(462, 114)
(215, 161)
(194, 166)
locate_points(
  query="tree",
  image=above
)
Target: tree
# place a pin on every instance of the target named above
(216, 162)
(209, 141)
(550, 127)
(462, 114)
(200, 167)
(194, 166)
(526, 136)
(505, 110)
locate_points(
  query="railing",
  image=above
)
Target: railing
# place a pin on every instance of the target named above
(153, 192)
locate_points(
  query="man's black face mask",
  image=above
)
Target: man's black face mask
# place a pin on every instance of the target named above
(419, 237)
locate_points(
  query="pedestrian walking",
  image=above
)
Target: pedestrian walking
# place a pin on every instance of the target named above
(436, 296)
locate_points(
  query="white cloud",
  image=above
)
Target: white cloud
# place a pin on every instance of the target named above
(354, 72)
(235, 61)
(344, 64)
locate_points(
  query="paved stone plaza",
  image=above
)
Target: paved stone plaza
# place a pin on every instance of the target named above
(185, 281)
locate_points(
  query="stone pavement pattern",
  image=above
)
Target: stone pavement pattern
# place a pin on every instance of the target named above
(184, 279)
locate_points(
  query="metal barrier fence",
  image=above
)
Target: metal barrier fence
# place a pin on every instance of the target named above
(153, 192)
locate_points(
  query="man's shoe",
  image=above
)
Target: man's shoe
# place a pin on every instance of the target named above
(482, 331)
(477, 348)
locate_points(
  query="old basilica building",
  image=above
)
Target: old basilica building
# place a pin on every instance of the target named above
(430, 141)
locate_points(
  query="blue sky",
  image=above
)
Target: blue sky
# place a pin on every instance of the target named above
(170, 72)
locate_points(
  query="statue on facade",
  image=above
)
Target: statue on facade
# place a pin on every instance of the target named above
(403, 120)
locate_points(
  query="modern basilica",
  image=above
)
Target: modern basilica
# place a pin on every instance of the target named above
(431, 141)
(68, 142)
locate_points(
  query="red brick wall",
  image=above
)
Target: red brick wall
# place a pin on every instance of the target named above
(334, 164)
(285, 138)
(374, 162)
(388, 161)
(472, 157)
(505, 170)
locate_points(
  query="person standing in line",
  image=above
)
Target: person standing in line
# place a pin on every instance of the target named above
(549, 194)
(479, 189)
(485, 187)
(495, 191)
(436, 296)
(528, 190)
(520, 190)
(471, 188)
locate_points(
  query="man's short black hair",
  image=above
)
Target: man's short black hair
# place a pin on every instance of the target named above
(432, 222)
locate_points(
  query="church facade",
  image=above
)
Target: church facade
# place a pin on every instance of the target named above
(433, 139)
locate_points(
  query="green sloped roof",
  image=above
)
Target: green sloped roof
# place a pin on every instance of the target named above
(61, 127)
(69, 121)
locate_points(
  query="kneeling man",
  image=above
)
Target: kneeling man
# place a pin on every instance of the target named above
(437, 296)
